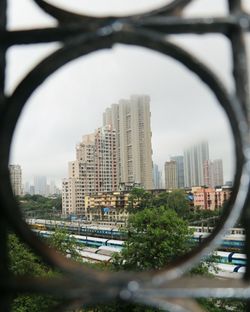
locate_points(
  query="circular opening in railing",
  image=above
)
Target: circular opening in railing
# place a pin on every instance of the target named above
(126, 151)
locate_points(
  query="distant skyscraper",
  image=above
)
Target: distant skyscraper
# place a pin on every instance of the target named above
(180, 170)
(208, 173)
(213, 173)
(157, 177)
(40, 185)
(171, 174)
(27, 188)
(16, 179)
(194, 158)
(32, 190)
(131, 120)
(218, 172)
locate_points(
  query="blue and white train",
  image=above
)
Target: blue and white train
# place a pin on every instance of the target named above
(89, 240)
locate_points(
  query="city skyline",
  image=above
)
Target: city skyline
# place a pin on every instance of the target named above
(53, 120)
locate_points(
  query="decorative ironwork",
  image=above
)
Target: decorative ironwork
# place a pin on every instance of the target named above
(80, 35)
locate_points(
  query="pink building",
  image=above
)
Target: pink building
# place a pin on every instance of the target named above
(210, 198)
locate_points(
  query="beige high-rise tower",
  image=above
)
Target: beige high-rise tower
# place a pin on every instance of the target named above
(16, 179)
(93, 171)
(171, 174)
(131, 120)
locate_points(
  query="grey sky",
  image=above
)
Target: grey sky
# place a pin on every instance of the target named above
(70, 103)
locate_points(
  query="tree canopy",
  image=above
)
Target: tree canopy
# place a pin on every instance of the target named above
(40, 206)
(24, 262)
(156, 236)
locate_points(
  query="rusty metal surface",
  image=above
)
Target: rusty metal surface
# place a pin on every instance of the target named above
(81, 35)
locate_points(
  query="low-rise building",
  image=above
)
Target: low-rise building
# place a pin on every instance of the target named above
(208, 198)
(111, 206)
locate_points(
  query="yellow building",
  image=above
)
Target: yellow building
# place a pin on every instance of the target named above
(110, 206)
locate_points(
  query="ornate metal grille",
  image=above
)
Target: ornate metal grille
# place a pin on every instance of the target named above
(80, 35)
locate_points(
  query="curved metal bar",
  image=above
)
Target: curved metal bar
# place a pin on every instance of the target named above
(64, 16)
(83, 45)
(165, 25)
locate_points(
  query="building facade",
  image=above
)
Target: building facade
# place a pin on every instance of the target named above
(16, 179)
(208, 198)
(213, 173)
(93, 171)
(171, 174)
(180, 170)
(107, 206)
(157, 177)
(194, 158)
(218, 178)
(40, 185)
(131, 120)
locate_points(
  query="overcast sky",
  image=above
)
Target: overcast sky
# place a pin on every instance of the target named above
(71, 102)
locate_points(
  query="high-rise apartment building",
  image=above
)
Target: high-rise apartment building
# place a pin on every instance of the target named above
(194, 158)
(16, 179)
(157, 177)
(208, 173)
(171, 174)
(40, 185)
(213, 173)
(218, 172)
(180, 170)
(131, 120)
(106, 179)
(93, 171)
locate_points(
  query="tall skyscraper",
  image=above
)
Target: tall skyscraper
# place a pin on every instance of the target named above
(194, 158)
(208, 173)
(180, 170)
(213, 173)
(106, 179)
(157, 176)
(16, 179)
(218, 172)
(171, 174)
(131, 120)
(93, 171)
(40, 185)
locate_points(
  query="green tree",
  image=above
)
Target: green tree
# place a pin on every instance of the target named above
(157, 236)
(64, 243)
(24, 262)
(40, 206)
(177, 200)
(139, 199)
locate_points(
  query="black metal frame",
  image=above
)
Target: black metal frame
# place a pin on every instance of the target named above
(80, 35)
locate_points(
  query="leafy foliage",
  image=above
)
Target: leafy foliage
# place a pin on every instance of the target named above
(24, 262)
(157, 236)
(64, 243)
(40, 206)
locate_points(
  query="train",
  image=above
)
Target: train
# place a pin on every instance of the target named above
(100, 254)
(234, 240)
(230, 258)
(209, 229)
(88, 240)
(223, 270)
(105, 231)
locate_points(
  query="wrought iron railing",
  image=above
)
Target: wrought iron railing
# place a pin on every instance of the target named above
(80, 35)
